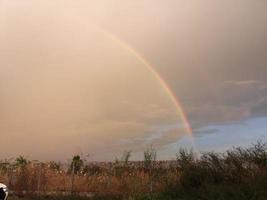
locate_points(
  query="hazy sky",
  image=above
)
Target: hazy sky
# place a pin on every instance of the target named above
(67, 87)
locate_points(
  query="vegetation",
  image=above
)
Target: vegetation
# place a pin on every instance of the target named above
(238, 174)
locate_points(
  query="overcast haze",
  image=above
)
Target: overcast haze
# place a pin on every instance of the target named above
(66, 87)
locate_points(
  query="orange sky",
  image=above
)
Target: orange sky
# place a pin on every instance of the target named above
(66, 87)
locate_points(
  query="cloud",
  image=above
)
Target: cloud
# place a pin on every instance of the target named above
(67, 86)
(237, 100)
(158, 140)
(260, 109)
(200, 132)
(242, 83)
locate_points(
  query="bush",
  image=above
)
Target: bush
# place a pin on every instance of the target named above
(240, 173)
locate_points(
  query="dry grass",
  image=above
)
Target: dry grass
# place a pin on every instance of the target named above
(236, 174)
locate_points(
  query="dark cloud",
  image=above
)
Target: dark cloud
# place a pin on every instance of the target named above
(200, 132)
(260, 110)
(212, 54)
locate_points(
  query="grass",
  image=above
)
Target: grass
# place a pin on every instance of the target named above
(238, 174)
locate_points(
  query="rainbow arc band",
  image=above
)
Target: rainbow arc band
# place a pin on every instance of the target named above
(124, 45)
(179, 109)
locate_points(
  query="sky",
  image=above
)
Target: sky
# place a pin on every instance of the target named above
(99, 77)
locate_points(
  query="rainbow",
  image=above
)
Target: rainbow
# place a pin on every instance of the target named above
(179, 109)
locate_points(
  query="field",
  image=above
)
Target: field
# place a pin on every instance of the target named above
(240, 173)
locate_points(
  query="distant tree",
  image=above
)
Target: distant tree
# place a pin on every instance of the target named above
(21, 161)
(126, 157)
(185, 158)
(76, 164)
(22, 182)
(150, 156)
(4, 166)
